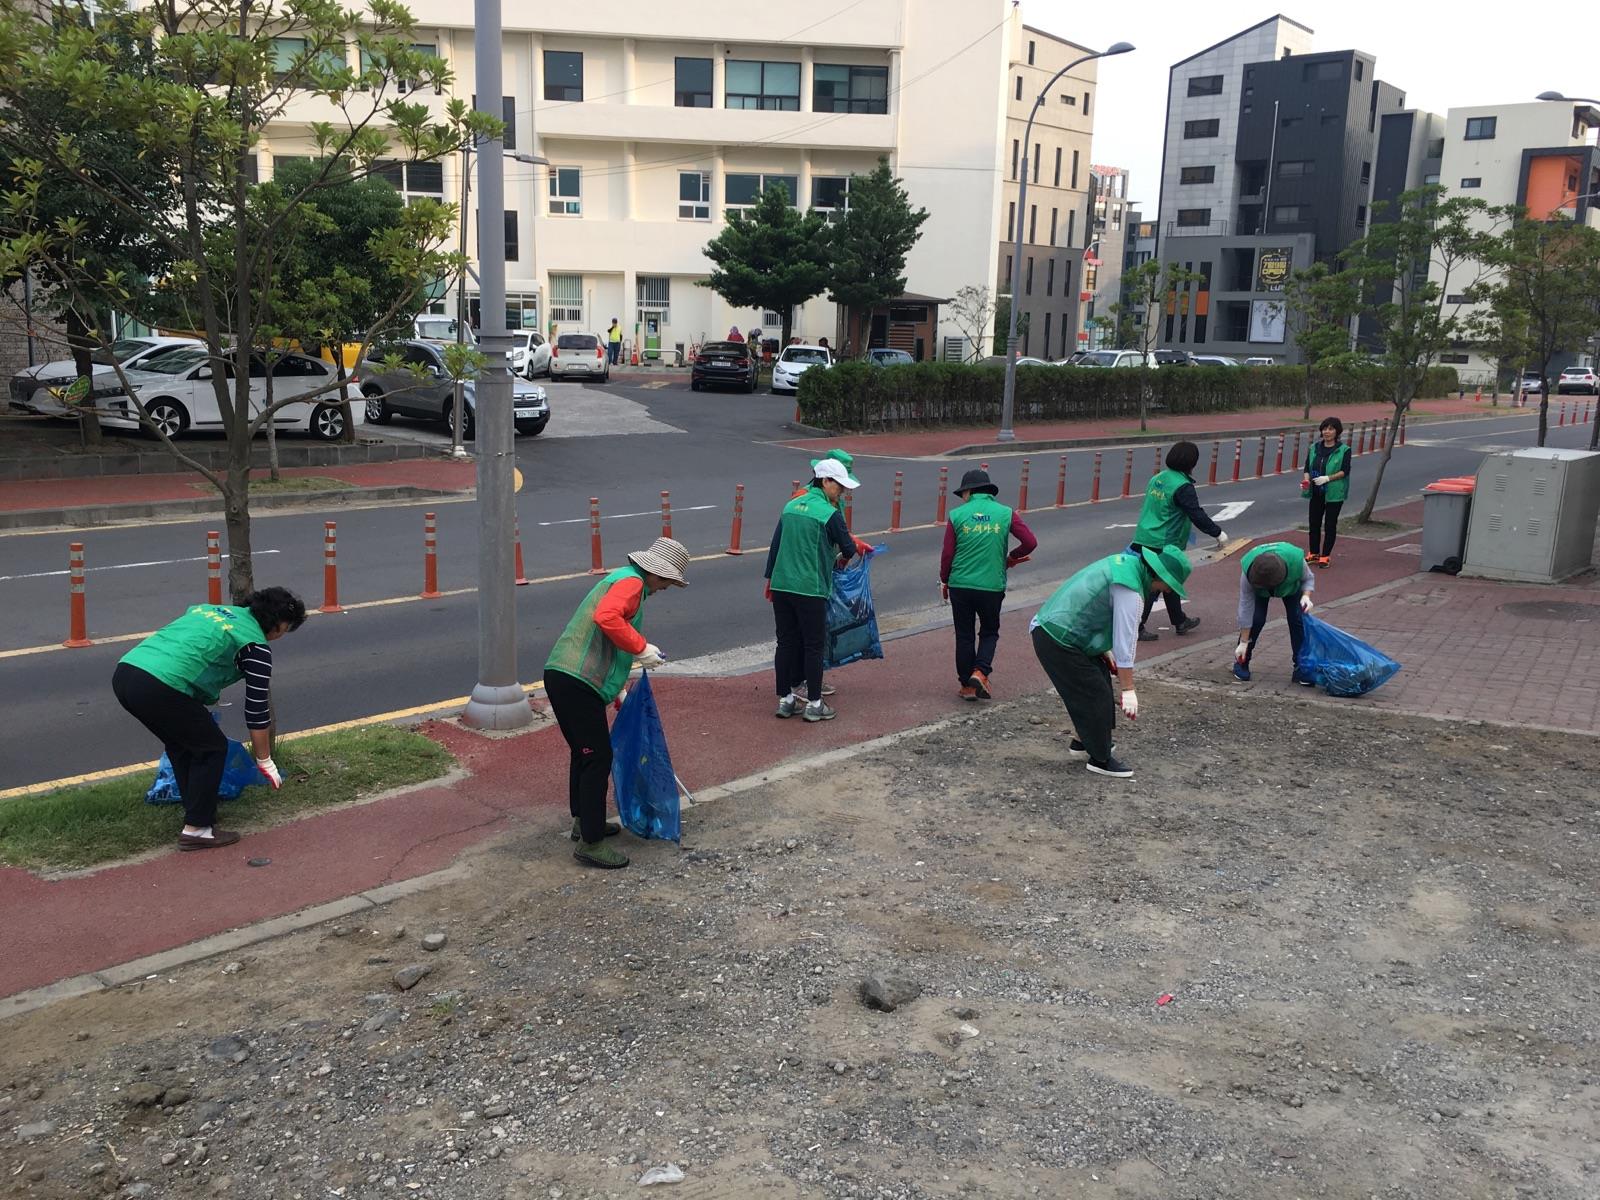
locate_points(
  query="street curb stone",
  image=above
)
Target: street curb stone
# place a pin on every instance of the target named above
(93, 515)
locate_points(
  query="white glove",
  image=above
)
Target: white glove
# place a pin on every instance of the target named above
(1130, 704)
(1222, 539)
(269, 769)
(652, 656)
(1241, 652)
(1305, 602)
(1321, 481)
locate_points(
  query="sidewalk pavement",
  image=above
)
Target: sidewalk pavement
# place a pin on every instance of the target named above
(1464, 655)
(926, 443)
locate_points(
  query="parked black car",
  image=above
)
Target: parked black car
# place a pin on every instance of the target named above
(724, 364)
(1172, 358)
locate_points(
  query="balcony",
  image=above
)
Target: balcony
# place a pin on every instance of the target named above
(1210, 229)
(724, 126)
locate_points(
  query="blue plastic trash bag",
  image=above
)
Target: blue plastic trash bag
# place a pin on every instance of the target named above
(641, 768)
(238, 773)
(1344, 665)
(852, 619)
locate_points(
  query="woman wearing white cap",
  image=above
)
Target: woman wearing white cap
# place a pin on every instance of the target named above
(588, 668)
(809, 544)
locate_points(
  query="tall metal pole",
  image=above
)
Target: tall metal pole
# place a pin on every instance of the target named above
(1266, 200)
(1009, 399)
(498, 701)
(458, 448)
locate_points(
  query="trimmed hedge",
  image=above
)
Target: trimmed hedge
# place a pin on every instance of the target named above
(857, 397)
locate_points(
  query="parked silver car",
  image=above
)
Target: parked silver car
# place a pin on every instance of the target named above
(421, 387)
(579, 354)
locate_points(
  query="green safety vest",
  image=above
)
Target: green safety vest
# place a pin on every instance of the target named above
(1292, 559)
(983, 536)
(195, 654)
(583, 650)
(1161, 522)
(1078, 614)
(614, 334)
(1338, 489)
(804, 565)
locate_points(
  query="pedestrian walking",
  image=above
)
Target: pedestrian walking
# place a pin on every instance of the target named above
(972, 574)
(169, 681)
(588, 668)
(614, 341)
(809, 544)
(754, 338)
(734, 335)
(846, 460)
(1326, 482)
(1088, 629)
(1274, 569)
(1170, 513)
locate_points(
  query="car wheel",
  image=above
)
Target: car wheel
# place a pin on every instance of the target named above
(695, 385)
(327, 422)
(468, 424)
(168, 415)
(377, 408)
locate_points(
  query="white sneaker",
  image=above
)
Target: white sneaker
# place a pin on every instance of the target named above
(788, 706)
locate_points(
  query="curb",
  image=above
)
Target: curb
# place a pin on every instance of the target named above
(18, 468)
(92, 515)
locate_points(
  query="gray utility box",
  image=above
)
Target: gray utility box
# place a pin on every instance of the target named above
(1533, 515)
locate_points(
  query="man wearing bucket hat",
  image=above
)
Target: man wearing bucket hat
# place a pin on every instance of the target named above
(972, 573)
(809, 544)
(588, 668)
(1275, 569)
(1089, 628)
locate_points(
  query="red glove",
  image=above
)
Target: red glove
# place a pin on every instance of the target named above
(863, 548)
(767, 590)
(1011, 562)
(944, 592)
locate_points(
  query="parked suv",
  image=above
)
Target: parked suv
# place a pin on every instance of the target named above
(1582, 380)
(1115, 358)
(421, 387)
(581, 354)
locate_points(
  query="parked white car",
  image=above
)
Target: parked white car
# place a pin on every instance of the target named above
(1115, 358)
(794, 362)
(1213, 360)
(436, 328)
(530, 354)
(175, 391)
(31, 387)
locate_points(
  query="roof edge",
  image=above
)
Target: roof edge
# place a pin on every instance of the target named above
(1241, 33)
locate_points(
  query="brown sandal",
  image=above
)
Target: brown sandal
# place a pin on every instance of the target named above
(219, 837)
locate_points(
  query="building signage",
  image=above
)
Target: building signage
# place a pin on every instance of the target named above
(1266, 321)
(1272, 269)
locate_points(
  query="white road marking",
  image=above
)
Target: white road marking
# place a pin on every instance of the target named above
(1231, 510)
(654, 512)
(160, 562)
(1134, 526)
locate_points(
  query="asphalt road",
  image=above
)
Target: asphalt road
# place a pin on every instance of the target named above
(62, 719)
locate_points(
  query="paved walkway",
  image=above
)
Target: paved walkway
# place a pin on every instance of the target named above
(1465, 654)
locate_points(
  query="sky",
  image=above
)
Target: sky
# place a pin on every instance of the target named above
(1439, 62)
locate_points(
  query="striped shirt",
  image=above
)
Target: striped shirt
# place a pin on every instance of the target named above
(255, 660)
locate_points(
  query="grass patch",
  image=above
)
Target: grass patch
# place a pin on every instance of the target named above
(288, 485)
(103, 822)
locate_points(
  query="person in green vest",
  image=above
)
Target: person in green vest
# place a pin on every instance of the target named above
(588, 668)
(1171, 511)
(1273, 569)
(809, 544)
(614, 342)
(169, 681)
(1326, 483)
(1089, 628)
(972, 574)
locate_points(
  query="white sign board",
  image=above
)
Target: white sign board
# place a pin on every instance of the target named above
(1266, 321)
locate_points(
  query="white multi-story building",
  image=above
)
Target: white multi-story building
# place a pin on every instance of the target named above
(656, 121)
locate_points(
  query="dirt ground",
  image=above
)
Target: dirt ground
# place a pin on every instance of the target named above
(1378, 937)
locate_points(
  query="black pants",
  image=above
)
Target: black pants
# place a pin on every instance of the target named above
(976, 615)
(195, 746)
(802, 628)
(1084, 685)
(1175, 612)
(581, 714)
(1324, 523)
(1294, 617)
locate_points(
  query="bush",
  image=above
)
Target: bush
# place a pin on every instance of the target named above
(857, 397)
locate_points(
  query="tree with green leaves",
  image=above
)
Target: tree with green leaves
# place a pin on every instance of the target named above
(1544, 297)
(218, 73)
(1002, 324)
(872, 240)
(1430, 254)
(1319, 304)
(771, 256)
(1149, 288)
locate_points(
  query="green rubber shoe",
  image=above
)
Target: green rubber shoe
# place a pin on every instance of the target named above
(612, 829)
(598, 854)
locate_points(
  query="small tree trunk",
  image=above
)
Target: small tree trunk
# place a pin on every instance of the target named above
(236, 513)
(1305, 414)
(1544, 410)
(349, 437)
(1388, 451)
(83, 365)
(272, 433)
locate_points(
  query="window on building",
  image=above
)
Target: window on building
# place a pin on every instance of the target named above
(1366, 172)
(1036, 157)
(1197, 175)
(508, 115)
(1338, 119)
(1480, 129)
(1058, 166)
(1294, 168)
(429, 50)
(1030, 52)
(1033, 224)
(1006, 281)
(566, 192)
(563, 75)
(1430, 180)
(1322, 72)
(1289, 214)
(1086, 104)
(691, 82)
(251, 168)
(1019, 87)
(742, 191)
(1194, 217)
(850, 89)
(1116, 218)
(1458, 298)
(1436, 148)
(1072, 226)
(1049, 283)
(1074, 169)
(1011, 221)
(1361, 214)
(566, 298)
(1053, 214)
(1472, 181)
(1070, 101)
(1047, 317)
(1202, 129)
(772, 86)
(654, 294)
(1027, 277)
(694, 196)
(830, 195)
(287, 51)
(1205, 85)
(1361, 70)
(1453, 359)
(513, 243)
(1016, 153)
(413, 180)
(1291, 122)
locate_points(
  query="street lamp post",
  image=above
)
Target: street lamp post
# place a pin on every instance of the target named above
(1008, 404)
(498, 701)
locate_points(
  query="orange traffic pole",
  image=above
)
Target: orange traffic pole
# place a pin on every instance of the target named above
(78, 632)
(1022, 494)
(1402, 431)
(666, 514)
(1215, 450)
(1238, 454)
(1277, 468)
(516, 533)
(1094, 488)
(737, 532)
(1361, 444)
(1127, 474)
(894, 505)
(944, 486)
(330, 568)
(430, 557)
(213, 567)
(1061, 484)
(1261, 457)
(596, 561)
